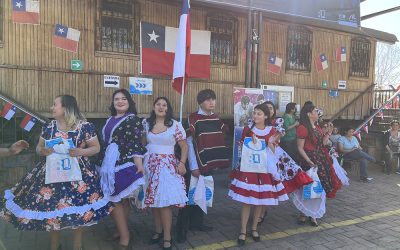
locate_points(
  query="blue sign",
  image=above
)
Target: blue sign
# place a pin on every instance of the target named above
(333, 93)
(140, 86)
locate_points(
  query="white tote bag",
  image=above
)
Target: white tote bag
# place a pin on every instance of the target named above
(209, 190)
(313, 190)
(60, 166)
(254, 156)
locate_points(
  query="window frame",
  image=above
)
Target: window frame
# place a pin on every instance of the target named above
(134, 18)
(300, 31)
(234, 37)
(360, 41)
(1, 23)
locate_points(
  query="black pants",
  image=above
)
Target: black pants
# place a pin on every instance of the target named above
(190, 216)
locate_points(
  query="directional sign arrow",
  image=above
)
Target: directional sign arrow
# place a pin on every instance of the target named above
(111, 82)
(76, 65)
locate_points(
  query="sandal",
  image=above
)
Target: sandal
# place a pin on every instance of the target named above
(240, 241)
(170, 245)
(154, 240)
(255, 238)
(313, 222)
(301, 220)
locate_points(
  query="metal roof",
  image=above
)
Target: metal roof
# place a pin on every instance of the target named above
(243, 6)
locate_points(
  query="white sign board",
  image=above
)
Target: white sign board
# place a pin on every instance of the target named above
(280, 96)
(140, 86)
(111, 81)
(342, 84)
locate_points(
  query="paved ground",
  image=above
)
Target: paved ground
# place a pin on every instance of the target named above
(363, 216)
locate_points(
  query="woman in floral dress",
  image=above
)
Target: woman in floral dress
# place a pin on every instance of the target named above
(165, 186)
(313, 154)
(122, 160)
(33, 205)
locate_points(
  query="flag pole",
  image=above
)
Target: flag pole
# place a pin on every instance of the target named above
(183, 92)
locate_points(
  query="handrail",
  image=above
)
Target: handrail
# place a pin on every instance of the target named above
(19, 106)
(377, 111)
(335, 116)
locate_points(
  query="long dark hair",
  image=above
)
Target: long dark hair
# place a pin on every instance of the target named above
(305, 120)
(272, 104)
(263, 107)
(132, 105)
(168, 117)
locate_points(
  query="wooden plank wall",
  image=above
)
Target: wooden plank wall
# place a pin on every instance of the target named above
(33, 72)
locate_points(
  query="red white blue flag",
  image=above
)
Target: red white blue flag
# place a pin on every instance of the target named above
(8, 111)
(66, 38)
(28, 122)
(366, 128)
(274, 63)
(358, 135)
(340, 54)
(321, 62)
(25, 11)
(182, 52)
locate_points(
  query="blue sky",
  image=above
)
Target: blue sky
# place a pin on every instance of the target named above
(387, 22)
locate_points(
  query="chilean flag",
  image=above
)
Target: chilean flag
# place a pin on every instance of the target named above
(274, 64)
(321, 62)
(25, 11)
(182, 52)
(28, 122)
(8, 111)
(340, 54)
(366, 128)
(66, 38)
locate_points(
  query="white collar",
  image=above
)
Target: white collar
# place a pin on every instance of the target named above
(202, 112)
(262, 132)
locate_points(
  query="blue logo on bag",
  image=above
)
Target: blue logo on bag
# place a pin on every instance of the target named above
(259, 146)
(66, 164)
(256, 158)
(141, 195)
(318, 189)
(191, 195)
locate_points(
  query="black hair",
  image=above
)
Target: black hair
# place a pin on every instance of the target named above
(345, 129)
(132, 105)
(273, 106)
(265, 110)
(290, 106)
(393, 122)
(168, 117)
(205, 94)
(305, 120)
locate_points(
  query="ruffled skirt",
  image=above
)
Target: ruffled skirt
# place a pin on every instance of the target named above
(256, 188)
(33, 205)
(164, 186)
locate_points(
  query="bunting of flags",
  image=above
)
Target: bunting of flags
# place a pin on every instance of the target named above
(366, 128)
(358, 135)
(9, 111)
(371, 121)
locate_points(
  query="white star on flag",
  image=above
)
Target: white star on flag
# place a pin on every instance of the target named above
(18, 4)
(61, 31)
(153, 36)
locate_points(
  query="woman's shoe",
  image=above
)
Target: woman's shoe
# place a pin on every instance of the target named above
(301, 220)
(155, 239)
(240, 241)
(313, 222)
(256, 238)
(170, 245)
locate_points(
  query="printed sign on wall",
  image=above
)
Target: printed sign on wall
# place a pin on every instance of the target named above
(111, 81)
(140, 86)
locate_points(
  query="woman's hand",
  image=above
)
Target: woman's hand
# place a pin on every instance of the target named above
(46, 151)
(196, 173)
(18, 146)
(76, 152)
(140, 169)
(254, 138)
(181, 168)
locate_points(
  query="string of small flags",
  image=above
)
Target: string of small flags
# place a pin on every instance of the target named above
(9, 111)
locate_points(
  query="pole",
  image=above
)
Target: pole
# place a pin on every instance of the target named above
(248, 49)
(182, 94)
(379, 110)
(260, 28)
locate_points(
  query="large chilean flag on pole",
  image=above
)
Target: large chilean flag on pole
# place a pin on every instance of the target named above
(182, 51)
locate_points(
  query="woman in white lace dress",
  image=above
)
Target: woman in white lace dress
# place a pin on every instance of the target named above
(165, 186)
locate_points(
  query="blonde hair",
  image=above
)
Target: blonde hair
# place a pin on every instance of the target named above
(72, 113)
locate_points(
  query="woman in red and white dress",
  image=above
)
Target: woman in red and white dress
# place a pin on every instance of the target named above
(258, 189)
